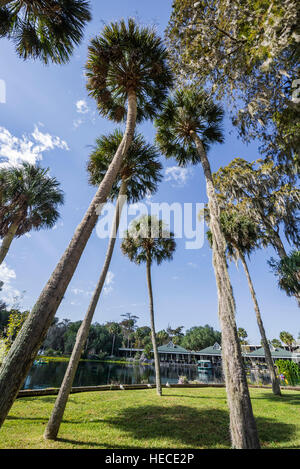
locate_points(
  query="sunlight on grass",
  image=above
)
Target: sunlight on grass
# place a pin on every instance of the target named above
(182, 418)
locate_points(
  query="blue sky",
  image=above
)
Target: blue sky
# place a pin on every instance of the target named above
(48, 117)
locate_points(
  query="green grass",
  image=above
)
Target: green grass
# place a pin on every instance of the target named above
(182, 418)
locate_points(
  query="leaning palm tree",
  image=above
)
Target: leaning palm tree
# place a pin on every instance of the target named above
(149, 241)
(242, 237)
(129, 76)
(29, 199)
(140, 174)
(189, 123)
(46, 30)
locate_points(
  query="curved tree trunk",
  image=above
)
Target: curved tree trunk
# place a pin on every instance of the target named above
(23, 351)
(153, 336)
(268, 356)
(242, 423)
(54, 422)
(7, 240)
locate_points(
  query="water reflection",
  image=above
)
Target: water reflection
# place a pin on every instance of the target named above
(95, 373)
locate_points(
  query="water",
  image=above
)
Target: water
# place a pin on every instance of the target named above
(95, 373)
(92, 373)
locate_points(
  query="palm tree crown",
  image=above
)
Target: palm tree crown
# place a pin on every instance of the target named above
(188, 110)
(126, 58)
(30, 196)
(47, 29)
(148, 240)
(140, 168)
(241, 233)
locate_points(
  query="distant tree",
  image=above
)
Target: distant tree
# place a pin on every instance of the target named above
(287, 338)
(162, 337)
(276, 343)
(242, 334)
(200, 337)
(147, 241)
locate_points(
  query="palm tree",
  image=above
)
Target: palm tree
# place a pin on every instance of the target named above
(189, 123)
(287, 338)
(149, 241)
(267, 195)
(29, 201)
(114, 329)
(242, 237)
(140, 174)
(46, 30)
(287, 270)
(127, 65)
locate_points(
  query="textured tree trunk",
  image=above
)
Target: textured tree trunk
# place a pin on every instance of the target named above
(242, 423)
(7, 240)
(153, 335)
(268, 356)
(54, 422)
(23, 351)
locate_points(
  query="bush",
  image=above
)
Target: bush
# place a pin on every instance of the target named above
(289, 372)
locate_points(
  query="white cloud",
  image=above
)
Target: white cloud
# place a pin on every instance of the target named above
(178, 176)
(8, 294)
(82, 107)
(15, 150)
(108, 285)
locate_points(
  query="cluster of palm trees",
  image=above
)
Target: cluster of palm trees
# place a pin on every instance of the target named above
(128, 75)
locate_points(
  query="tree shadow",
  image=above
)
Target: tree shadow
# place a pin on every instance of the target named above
(205, 428)
(293, 399)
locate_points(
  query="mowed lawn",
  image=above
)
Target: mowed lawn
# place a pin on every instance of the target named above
(182, 418)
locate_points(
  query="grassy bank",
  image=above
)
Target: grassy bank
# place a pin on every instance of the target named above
(182, 418)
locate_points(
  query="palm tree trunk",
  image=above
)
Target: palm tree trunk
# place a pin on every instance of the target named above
(268, 356)
(23, 352)
(7, 240)
(153, 335)
(54, 422)
(113, 344)
(242, 423)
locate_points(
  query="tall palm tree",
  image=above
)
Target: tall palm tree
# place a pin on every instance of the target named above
(47, 29)
(242, 237)
(114, 329)
(29, 199)
(140, 174)
(149, 241)
(128, 74)
(189, 123)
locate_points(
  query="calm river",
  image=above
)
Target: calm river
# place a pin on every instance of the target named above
(95, 373)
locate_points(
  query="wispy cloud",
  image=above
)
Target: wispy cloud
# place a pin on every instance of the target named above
(82, 107)
(177, 176)
(15, 150)
(108, 285)
(9, 294)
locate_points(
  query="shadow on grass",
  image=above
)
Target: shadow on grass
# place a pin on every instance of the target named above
(207, 428)
(285, 398)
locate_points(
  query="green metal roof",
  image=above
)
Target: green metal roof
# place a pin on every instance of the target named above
(212, 350)
(275, 353)
(172, 348)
